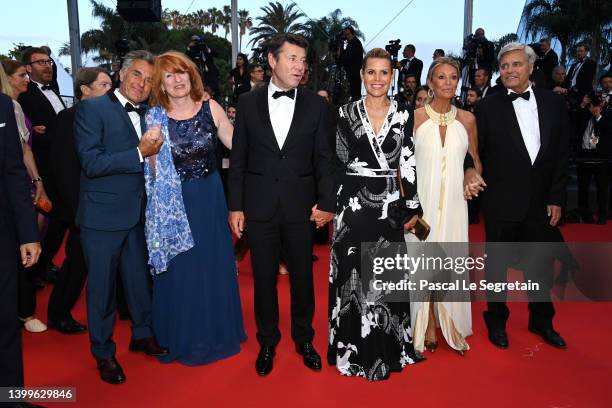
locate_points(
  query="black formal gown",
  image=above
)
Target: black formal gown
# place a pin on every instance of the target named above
(368, 336)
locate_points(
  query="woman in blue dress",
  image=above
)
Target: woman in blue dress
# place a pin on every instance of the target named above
(196, 304)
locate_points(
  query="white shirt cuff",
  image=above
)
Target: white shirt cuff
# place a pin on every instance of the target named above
(140, 155)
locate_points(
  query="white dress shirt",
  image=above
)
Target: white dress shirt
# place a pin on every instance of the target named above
(281, 113)
(527, 116)
(134, 117)
(577, 66)
(52, 97)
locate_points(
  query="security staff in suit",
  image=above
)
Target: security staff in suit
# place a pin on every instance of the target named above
(110, 144)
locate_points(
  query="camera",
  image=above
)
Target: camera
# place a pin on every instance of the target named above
(393, 48)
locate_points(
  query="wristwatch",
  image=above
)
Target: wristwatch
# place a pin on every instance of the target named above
(36, 180)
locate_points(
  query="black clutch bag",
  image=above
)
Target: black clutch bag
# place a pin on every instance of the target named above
(398, 214)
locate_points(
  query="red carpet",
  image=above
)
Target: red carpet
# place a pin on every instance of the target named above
(528, 374)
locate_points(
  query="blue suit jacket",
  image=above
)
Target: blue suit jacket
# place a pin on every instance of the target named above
(112, 194)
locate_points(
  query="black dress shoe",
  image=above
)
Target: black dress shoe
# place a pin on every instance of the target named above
(499, 338)
(312, 359)
(265, 360)
(550, 337)
(110, 371)
(67, 326)
(149, 346)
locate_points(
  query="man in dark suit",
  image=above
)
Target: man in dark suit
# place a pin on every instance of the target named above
(111, 145)
(351, 58)
(42, 104)
(281, 179)
(19, 235)
(409, 65)
(547, 62)
(581, 73)
(523, 139)
(482, 81)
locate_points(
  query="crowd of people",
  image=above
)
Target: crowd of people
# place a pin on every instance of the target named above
(142, 177)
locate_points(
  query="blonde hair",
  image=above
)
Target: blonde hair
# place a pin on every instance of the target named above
(435, 64)
(376, 53)
(5, 86)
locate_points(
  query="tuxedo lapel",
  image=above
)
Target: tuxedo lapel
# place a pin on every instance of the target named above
(300, 106)
(513, 128)
(120, 111)
(543, 119)
(264, 116)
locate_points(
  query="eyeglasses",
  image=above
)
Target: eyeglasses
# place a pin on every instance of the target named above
(42, 63)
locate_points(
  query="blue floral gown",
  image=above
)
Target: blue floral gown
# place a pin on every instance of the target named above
(196, 304)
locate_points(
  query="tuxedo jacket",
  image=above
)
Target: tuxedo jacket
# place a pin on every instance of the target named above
(112, 194)
(584, 80)
(39, 110)
(66, 171)
(264, 178)
(516, 188)
(415, 68)
(17, 214)
(546, 64)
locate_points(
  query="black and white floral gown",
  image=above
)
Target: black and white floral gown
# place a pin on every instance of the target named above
(369, 337)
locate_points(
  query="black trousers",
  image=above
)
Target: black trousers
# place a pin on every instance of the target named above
(267, 240)
(532, 229)
(26, 290)
(354, 85)
(70, 280)
(11, 363)
(56, 230)
(601, 173)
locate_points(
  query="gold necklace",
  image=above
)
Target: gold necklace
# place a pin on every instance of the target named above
(441, 119)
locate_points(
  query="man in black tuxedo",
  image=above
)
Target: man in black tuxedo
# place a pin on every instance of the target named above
(281, 179)
(351, 58)
(547, 61)
(19, 235)
(409, 65)
(581, 73)
(42, 104)
(523, 138)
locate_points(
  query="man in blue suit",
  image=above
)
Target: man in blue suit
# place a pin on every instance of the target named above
(111, 144)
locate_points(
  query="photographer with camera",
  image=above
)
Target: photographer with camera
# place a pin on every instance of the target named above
(409, 65)
(408, 88)
(351, 58)
(478, 52)
(203, 57)
(595, 151)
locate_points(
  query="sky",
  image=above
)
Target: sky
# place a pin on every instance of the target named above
(425, 23)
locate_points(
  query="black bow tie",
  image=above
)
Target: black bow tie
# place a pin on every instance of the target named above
(513, 96)
(46, 88)
(131, 108)
(290, 94)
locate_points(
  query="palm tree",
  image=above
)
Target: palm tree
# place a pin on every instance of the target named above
(226, 21)
(244, 22)
(215, 20)
(277, 19)
(554, 18)
(320, 34)
(594, 22)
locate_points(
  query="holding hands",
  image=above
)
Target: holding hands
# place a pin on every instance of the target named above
(473, 184)
(320, 217)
